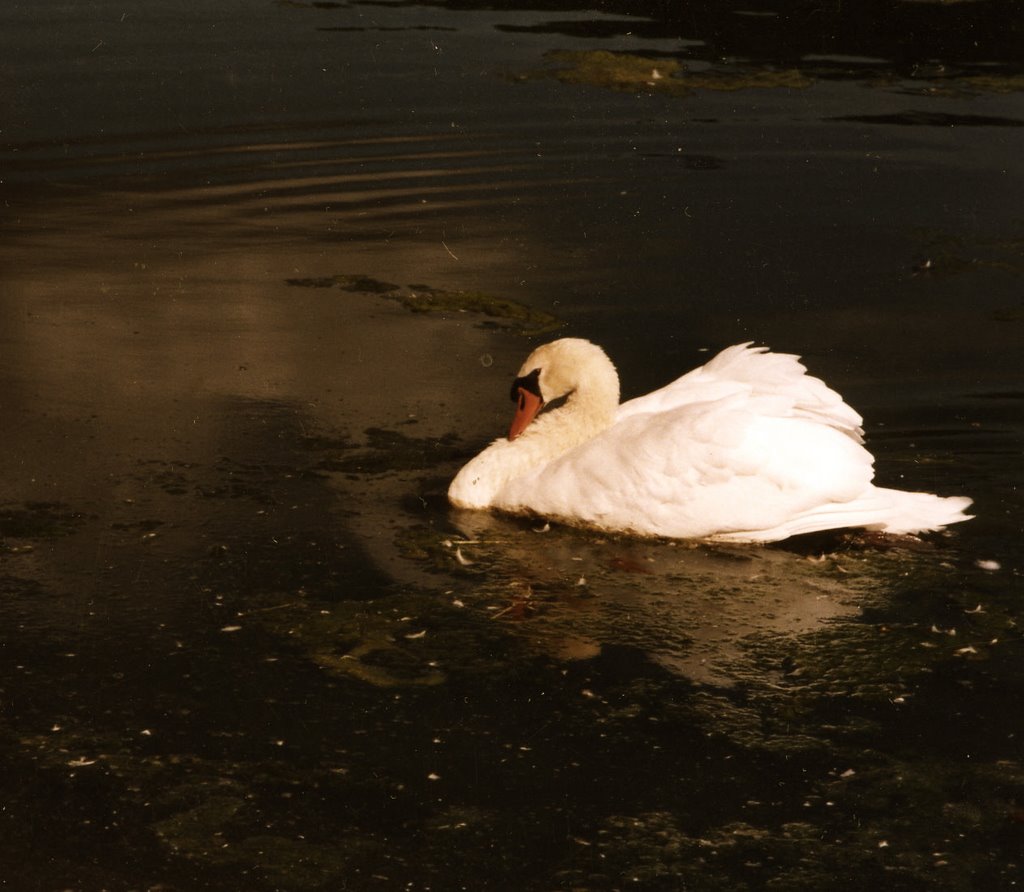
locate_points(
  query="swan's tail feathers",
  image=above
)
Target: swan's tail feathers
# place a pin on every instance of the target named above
(885, 510)
(921, 512)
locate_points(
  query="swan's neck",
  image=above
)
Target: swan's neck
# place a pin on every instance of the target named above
(588, 410)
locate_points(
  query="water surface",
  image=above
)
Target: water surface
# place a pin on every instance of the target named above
(267, 269)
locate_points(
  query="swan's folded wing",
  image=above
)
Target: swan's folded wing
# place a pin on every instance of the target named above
(757, 372)
(740, 464)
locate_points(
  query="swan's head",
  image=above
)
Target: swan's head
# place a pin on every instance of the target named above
(569, 367)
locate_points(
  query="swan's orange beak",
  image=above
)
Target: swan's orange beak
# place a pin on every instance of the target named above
(527, 407)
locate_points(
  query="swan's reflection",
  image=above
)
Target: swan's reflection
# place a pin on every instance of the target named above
(689, 606)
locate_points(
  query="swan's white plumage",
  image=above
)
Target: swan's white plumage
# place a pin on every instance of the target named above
(748, 447)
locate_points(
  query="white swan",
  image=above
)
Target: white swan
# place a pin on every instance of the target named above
(747, 448)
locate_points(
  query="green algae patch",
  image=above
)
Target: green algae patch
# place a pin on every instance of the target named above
(619, 71)
(504, 312)
(365, 285)
(631, 73)
(995, 83)
(498, 312)
(786, 79)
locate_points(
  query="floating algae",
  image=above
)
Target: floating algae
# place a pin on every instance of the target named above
(501, 312)
(632, 73)
(994, 83)
(619, 71)
(637, 74)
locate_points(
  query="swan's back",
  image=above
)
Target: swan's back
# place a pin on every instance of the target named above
(755, 372)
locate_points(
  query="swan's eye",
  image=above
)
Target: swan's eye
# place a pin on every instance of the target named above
(530, 383)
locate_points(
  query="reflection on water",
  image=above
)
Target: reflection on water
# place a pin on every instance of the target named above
(245, 642)
(688, 608)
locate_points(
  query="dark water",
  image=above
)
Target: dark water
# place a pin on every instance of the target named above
(265, 271)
